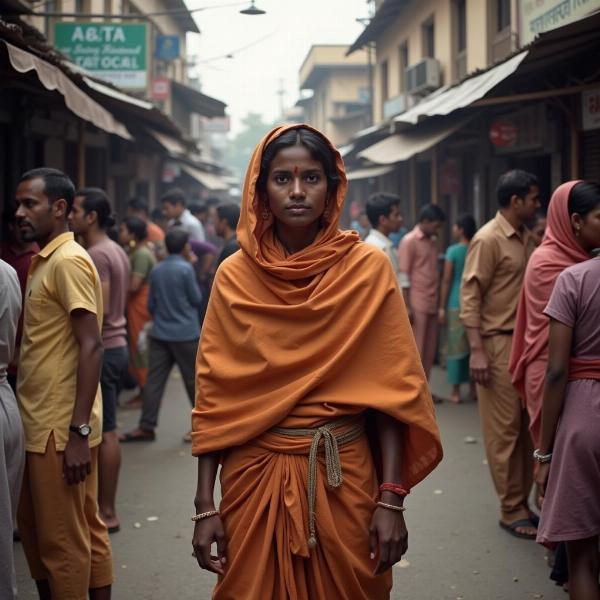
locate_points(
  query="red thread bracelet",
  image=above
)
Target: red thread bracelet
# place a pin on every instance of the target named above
(395, 488)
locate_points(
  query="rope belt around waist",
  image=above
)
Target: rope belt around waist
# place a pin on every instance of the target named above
(331, 442)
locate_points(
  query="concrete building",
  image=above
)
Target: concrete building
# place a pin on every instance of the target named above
(134, 62)
(339, 105)
(467, 89)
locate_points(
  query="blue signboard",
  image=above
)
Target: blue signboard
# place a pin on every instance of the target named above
(167, 47)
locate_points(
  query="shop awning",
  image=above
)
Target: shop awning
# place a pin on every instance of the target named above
(210, 181)
(169, 143)
(368, 172)
(449, 99)
(402, 146)
(78, 102)
(198, 102)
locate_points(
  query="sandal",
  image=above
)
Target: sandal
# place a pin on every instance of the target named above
(512, 529)
(137, 435)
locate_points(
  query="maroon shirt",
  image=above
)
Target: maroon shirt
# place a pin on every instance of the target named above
(20, 262)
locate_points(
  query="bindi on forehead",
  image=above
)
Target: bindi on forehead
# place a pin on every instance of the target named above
(296, 170)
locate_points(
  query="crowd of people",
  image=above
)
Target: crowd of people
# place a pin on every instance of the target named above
(88, 309)
(312, 342)
(519, 302)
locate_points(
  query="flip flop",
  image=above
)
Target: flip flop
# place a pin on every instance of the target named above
(535, 520)
(512, 529)
(129, 437)
(114, 529)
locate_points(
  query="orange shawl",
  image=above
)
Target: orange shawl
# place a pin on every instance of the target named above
(297, 341)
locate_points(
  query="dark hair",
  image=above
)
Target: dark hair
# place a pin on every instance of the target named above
(584, 198)
(431, 212)
(230, 212)
(137, 227)
(314, 142)
(380, 205)
(157, 214)
(514, 183)
(175, 196)
(57, 185)
(96, 200)
(198, 207)
(176, 239)
(466, 222)
(139, 204)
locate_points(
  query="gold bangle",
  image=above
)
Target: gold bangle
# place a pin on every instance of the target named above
(205, 515)
(391, 506)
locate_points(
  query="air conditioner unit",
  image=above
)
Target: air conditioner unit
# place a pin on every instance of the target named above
(397, 105)
(423, 77)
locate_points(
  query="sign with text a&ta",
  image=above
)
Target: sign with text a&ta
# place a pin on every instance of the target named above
(115, 52)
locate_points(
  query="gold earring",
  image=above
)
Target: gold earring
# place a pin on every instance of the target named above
(577, 231)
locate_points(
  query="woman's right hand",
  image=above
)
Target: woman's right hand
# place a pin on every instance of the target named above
(442, 316)
(206, 532)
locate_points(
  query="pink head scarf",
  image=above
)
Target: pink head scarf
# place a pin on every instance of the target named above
(558, 251)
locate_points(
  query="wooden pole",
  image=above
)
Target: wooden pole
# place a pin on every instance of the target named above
(435, 187)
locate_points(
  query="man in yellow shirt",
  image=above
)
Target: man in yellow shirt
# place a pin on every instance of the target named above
(65, 541)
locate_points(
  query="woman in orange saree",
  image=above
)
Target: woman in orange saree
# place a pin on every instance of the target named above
(132, 234)
(309, 392)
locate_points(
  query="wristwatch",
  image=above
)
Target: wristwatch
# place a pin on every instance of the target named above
(81, 430)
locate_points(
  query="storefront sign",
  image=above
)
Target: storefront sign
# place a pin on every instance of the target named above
(537, 16)
(503, 134)
(590, 110)
(160, 88)
(167, 47)
(114, 52)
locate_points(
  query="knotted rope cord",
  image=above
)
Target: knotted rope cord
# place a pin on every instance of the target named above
(333, 465)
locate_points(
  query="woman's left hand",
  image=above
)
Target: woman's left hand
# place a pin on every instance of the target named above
(388, 538)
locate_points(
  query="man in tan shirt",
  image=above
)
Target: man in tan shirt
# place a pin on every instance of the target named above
(65, 542)
(492, 280)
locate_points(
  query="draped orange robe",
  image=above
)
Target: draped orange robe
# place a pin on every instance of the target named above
(296, 342)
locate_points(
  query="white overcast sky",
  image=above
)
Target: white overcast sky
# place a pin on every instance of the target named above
(249, 81)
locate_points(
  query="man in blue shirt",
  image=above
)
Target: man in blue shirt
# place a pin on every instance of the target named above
(173, 302)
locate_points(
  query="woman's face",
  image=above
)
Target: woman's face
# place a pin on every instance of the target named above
(296, 188)
(538, 230)
(587, 229)
(124, 236)
(456, 232)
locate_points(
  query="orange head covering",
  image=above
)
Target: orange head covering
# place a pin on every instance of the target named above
(558, 251)
(302, 340)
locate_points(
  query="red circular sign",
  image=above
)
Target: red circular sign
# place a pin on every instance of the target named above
(503, 134)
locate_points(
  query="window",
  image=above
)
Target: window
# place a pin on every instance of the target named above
(384, 81)
(108, 7)
(403, 52)
(82, 6)
(502, 14)
(429, 39)
(461, 25)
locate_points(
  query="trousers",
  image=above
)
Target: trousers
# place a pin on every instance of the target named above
(425, 329)
(163, 355)
(505, 428)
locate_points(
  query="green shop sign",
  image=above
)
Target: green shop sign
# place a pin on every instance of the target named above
(115, 52)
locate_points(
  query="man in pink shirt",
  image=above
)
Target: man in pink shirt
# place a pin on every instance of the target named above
(419, 279)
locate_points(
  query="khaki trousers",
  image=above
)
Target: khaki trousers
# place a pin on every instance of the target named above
(425, 330)
(505, 423)
(65, 541)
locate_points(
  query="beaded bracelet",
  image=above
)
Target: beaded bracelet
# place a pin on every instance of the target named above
(205, 515)
(391, 506)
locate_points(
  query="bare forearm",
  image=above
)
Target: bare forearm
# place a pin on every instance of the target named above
(474, 337)
(444, 291)
(208, 465)
(554, 393)
(88, 376)
(390, 440)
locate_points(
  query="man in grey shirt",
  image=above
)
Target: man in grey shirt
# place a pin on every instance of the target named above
(12, 443)
(174, 204)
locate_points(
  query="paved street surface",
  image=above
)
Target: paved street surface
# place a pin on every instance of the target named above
(456, 549)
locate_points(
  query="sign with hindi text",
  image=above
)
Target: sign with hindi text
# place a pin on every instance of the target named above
(537, 16)
(115, 52)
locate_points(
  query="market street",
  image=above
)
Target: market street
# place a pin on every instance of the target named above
(456, 549)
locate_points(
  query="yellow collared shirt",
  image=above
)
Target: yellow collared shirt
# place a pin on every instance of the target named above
(62, 278)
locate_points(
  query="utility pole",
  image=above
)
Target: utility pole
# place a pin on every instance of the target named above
(281, 94)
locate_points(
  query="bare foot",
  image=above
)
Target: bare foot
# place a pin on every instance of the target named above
(455, 397)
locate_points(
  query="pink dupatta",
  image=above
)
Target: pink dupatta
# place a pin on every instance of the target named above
(558, 251)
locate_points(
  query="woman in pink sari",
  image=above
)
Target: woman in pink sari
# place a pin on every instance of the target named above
(560, 249)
